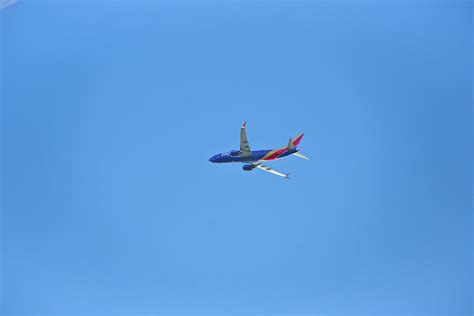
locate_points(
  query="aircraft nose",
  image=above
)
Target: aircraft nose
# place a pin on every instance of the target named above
(213, 158)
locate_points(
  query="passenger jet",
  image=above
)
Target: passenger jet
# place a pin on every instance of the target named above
(254, 158)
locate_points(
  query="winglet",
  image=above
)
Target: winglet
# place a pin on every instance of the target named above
(244, 124)
(287, 176)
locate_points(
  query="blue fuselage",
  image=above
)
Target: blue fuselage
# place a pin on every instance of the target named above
(257, 155)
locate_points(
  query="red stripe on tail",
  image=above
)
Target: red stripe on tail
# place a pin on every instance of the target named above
(297, 140)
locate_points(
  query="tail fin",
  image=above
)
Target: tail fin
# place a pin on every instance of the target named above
(296, 140)
(292, 143)
(299, 154)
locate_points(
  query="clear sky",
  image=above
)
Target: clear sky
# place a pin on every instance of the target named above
(111, 109)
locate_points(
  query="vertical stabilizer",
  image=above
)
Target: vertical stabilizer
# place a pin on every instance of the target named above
(297, 140)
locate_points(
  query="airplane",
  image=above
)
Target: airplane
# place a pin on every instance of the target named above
(253, 158)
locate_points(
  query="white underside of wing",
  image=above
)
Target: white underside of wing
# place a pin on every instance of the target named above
(267, 169)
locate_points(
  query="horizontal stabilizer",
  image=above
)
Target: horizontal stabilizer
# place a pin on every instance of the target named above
(290, 145)
(299, 154)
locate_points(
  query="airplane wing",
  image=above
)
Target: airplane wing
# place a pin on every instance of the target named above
(244, 144)
(267, 169)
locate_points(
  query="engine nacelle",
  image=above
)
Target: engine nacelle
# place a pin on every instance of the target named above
(248, 167)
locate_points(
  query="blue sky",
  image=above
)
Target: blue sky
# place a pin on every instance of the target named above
(111, 109)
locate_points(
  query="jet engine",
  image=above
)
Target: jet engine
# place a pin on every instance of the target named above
(248, 167)
(234, 153)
